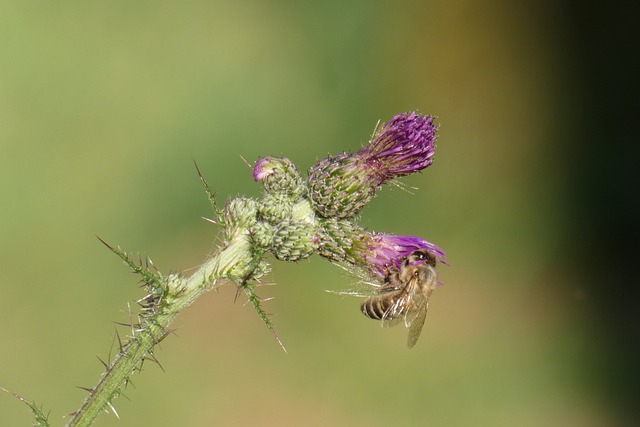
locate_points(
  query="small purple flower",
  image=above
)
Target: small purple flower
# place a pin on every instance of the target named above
(385, 251)
(340, 186)
(263, 168)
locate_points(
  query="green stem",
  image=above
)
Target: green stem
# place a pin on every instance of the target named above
(230, 263)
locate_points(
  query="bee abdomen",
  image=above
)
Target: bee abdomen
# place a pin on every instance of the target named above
(376, 307)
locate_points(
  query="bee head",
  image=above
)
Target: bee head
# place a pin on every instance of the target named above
(421, 256)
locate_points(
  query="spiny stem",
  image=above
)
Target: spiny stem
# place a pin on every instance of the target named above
(151, 330)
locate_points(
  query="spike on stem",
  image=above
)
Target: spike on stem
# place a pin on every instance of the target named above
(249, 289)
(41, 420)
(211, 195)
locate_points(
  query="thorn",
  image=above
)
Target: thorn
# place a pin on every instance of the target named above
(140, 366)
(127, 382)
(246, 163)
(165, 334)
(210, 220)
(119, 341)
(238, 290)
(152, 358)
(133, 334)
(266, 284)
(198, 170)
(113, 410)
(279, 341)
(122, 324)
(204, 182)
(111, 349)
(132, 385)
(106, 244)
(87, 389)
(266, 299)
(144, 299)
(103, 363)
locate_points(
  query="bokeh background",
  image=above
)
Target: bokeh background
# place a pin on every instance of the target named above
(105, 105)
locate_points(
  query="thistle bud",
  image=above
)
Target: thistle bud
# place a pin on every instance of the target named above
(340, 186)
(275, 207)
(294, 240)
(339, 241)
(278, 175)
(262, 235)
(240, 214)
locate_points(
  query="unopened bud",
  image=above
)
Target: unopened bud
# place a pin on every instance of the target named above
(294, 240)
(279, 175)
(240, 214)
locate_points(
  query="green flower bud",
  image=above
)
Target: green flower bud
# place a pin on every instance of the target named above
(262, 234)
(275, 207)
(262, 269)
(339, 187)
(279, 175)
(240, 215)
(341, 240)
(294, 240)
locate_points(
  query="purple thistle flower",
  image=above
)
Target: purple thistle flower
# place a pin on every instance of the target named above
(385, 251)
(340, 186)
(401, 147)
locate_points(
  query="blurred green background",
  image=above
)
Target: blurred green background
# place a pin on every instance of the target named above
(105, 105)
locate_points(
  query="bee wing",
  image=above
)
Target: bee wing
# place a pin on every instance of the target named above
(401, 307)
(415, 319)
(415, 328)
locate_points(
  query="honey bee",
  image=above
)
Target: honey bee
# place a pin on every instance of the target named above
(405, 294)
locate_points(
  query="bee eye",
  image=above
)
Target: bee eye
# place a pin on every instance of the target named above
(420, 256)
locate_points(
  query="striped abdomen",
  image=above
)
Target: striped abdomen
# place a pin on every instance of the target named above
(376, 307)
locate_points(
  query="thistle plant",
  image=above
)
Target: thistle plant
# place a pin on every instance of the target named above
(294, 218)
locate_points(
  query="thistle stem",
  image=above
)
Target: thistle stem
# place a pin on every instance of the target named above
(150, 331)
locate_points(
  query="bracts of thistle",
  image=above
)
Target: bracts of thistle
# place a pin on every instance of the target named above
(297, 217)
(294, 218)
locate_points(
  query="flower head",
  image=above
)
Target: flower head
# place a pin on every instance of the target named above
(340, 186)
(346, 243)
(385, 251)
(401, 147)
